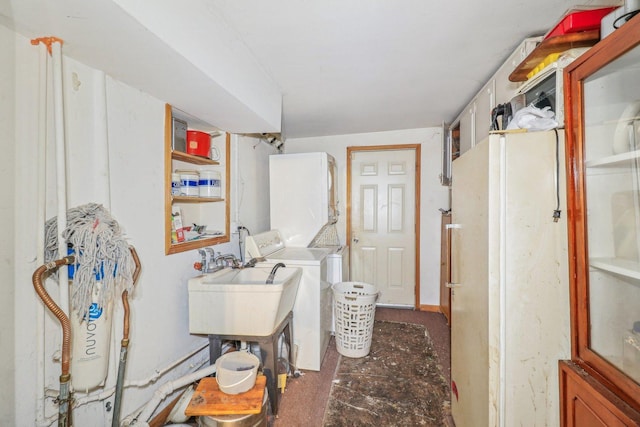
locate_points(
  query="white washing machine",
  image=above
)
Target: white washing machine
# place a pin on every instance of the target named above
(312, 310)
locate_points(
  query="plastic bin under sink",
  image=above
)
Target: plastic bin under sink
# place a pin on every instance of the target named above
(240, 302)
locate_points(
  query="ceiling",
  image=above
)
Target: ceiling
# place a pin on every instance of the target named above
(303, 68)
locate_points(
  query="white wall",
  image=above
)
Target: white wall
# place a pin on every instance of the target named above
(7, 218)
(433, 195)
(252, 200)
(127, 173)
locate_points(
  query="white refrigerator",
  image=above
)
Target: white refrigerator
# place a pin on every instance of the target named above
(303, 195)
(510, 289)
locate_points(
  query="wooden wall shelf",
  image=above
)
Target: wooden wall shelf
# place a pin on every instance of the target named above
(211, 211)
(190, 158)
(553, 45)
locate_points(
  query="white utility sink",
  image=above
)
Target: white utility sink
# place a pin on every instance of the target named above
(240, 302)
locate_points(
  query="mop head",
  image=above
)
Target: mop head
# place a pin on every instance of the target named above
(101, 255)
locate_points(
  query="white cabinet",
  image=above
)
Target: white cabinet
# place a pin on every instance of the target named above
(484, 104)
(467, 128)
(474, 121)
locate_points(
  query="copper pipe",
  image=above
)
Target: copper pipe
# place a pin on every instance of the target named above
(124, 344)
(125, 328)
(136, 260)
(125, 295)
(55, 309)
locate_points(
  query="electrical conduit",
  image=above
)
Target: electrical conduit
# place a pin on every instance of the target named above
(61, 167)
(102, 193)
(53, 46)
(40, 220)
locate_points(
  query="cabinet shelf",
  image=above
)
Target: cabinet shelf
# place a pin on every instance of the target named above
(190, 158)
(196, 199)
(619, 266)
(616, 160)
(195, 244)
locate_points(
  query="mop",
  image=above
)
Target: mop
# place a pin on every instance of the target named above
(101, 254)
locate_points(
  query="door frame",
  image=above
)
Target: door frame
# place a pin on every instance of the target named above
(416, 148)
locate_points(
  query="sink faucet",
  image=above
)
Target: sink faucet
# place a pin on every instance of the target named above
(204, 261)
(227, 260)
(210, 263)
(273, 273)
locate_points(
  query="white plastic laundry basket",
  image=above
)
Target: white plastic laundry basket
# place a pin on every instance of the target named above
(355, 310)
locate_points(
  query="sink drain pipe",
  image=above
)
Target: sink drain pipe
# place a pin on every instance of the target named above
(64, 398)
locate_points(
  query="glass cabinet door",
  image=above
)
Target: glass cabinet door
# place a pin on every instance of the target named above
(603, 130)
(612, 175)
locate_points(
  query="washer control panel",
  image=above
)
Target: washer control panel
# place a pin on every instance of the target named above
(264, 244)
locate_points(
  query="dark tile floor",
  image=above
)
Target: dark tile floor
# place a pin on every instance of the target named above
(305, 398)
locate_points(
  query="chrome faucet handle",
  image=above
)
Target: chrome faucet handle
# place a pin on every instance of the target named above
(212, 255)
(204, 261)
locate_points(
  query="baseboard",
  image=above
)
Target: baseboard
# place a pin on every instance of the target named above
(432, 308)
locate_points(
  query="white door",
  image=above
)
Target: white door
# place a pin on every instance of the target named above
(383, 223)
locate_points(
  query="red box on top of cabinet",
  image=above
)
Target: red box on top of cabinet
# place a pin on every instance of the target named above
(579, 20)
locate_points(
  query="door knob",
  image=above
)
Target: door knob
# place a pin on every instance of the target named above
(355, 240)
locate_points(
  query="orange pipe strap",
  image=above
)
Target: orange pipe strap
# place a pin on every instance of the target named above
(47, 41)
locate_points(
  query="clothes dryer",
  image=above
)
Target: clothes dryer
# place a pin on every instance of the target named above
(312, 315)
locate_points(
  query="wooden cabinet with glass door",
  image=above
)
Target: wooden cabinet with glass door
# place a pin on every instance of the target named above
(207, 214)
(603, 175)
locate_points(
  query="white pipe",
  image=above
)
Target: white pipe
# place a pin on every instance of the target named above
(105, 394)
(103, 192)
(169, 388)
(158, 374)
(101, 137)
(61, 170)
(40, 220)
(47, 422)
(235, 179)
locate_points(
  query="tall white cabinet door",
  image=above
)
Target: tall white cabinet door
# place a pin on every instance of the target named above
(470, 260)
(534, 288)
